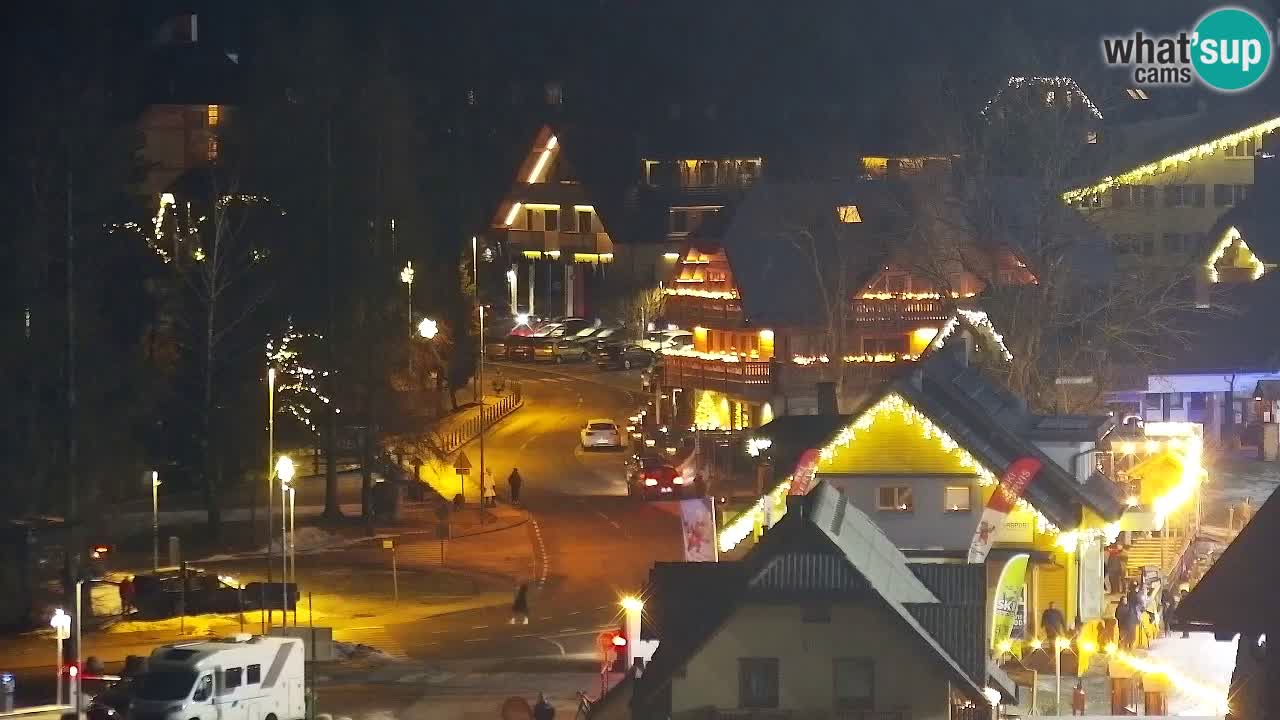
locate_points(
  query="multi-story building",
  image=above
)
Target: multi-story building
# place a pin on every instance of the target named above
(1166, 181)
(799, 283)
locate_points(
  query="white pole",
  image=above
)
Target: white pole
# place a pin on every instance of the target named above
(631, 624)
(271, 488)
(155, 521)
(79, 646)
(284, 559)
(293, 549)
(1057, 671)
(58, 682)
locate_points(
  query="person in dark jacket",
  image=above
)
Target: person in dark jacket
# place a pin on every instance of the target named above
(515, 481)
(542, 710)
(1053, 622)
(520, 606)
(1115, 570)
(1127, 623)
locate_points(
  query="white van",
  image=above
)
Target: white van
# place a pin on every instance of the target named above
(243, 678)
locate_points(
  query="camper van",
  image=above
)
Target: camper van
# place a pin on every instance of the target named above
(243, 678)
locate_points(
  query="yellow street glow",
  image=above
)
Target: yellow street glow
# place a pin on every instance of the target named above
(1036, 644)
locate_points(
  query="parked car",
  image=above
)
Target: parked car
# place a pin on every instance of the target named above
(624, 357)
(600, 433)
(561, 327)
(659, 340)
(520, 348)
(653, 478)
(558, 351)
(497, 348)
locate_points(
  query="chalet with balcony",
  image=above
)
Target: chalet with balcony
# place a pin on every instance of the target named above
(806, 282)
(811, 624)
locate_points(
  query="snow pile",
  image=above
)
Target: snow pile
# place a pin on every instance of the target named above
(310, 538)
(358, 651)
(1201, 658)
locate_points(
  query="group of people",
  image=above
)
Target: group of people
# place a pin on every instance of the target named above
(1129, 615)
(489, 490)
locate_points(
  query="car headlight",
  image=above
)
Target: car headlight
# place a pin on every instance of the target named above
(650, 482)
(678, 481)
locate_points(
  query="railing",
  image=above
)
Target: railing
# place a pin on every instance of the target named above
(736, 377)
(689, 311)
(488, 416)
(562, 240)
(816, 714)
(898, 309)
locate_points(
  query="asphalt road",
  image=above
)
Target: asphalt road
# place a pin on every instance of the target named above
(592, 542)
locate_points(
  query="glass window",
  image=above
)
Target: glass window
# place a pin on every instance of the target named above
(854, 682)
(848, 214)
(253, 674)
(204, 689)
(758, 682)
(164, 685)
(231, 678)
(584, 221)
(896, 498)
(552, 219)
(956, 499)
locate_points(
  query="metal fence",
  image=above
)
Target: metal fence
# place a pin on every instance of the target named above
(488, 416)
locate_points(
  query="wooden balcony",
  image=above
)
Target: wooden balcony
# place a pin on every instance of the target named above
(749, 379)
(556, 241)
(899, 310)
(690, 311)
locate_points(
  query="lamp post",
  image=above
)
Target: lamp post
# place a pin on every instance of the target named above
(1059, 644)
(284, 471)
(632, 607)
(511, 287)
(293, 552)
(271, 457)
(74, 671)
(406, 277)
(155, 521)
(61, 624)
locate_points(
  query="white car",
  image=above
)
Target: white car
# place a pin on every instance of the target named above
(601, 433)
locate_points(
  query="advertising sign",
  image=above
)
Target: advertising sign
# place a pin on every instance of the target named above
(1008, 617)
(1015, 481)
(802, 478)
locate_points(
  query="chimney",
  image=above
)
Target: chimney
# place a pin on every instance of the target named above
(827, 399)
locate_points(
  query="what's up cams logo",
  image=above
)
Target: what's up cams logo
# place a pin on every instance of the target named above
(1229, 50)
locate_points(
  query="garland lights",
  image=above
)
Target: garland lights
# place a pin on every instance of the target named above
(863, 358)
(297, 381)
(1229, 238)
(980, 321)
(1059, 83)
(712, 294)
(1172, 161)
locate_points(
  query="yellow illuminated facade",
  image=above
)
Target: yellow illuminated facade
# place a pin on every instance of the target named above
(1166, 207)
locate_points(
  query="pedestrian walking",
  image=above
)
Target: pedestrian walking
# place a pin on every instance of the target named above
(1127, 623)
(1053, 622)
(488, 491)
(126, 595)
(520, 606)
(543, 710)
(515, 481)
(1115, 570)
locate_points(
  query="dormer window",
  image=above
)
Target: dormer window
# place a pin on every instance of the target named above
(848, 214)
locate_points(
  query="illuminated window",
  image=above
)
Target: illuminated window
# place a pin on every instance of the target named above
(213, 115)
(956, 499)
(895, 498)
(876, 167)
(849, 214)
(212, 149)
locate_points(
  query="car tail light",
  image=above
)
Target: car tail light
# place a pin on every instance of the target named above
(677, 480)
(650, 482)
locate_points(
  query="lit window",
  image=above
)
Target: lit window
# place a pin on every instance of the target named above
(896, 498)
(849, 214)
(212, 150)
(956, 499)
(213, 115)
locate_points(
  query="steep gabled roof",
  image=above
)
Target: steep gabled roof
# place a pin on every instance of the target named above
(826, 548)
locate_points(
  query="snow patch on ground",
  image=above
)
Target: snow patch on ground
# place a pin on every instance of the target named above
(1201, 658)
(309, 538)
(358, 651)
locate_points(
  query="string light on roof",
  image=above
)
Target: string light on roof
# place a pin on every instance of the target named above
(1057, 82)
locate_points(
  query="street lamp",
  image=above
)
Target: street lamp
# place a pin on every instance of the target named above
(155, 521)
(1059, 644)
(511, 287)
(61, 624)
(428, 328)
(632, 607)
(271, 454)
(284, 471)
(406, 277)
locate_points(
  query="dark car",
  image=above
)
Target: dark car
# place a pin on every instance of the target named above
(520, 348)
(653, 478)
(624, 357)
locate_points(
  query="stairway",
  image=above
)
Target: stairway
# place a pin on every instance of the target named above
(1146, 552)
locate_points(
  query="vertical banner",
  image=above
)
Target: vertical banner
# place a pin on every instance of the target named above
(1015, 481)
(1091, 598)
(1008, 613)
(698, 526)
(802, 477)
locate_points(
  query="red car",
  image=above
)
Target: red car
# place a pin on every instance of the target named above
(655, 479)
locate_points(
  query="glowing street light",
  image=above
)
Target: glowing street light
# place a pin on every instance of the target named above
(632, 607)
(406, 277)
(61, 624)
(284, 471)
(428, 328)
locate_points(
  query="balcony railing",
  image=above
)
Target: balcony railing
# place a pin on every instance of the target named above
(893, 310)
(690, 311)
(558, 240)
(749, 377)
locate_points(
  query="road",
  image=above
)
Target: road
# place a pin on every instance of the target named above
(591, 544)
